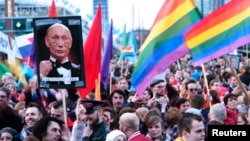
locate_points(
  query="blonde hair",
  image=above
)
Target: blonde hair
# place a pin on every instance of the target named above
(141, 112)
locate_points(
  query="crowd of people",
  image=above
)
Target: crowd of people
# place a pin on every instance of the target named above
(178, 107)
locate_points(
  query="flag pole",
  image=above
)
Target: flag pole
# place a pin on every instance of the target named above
(122, 66)
(97, 88)
(179, 65)
(99, 85)
(206, 82)
(110, 84)
(63, 93)
(236, 76)
(110, 79)
(205, 78)
(247, 50)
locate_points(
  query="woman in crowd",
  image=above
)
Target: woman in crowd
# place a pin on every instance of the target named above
(20, 109)
(183, 104)
(9, 134)
(172, 117)
(156, 130)
(241, 119)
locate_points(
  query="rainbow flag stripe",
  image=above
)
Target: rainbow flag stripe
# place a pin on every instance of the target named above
(221, 32)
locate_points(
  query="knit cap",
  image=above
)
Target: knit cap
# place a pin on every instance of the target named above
(113, 134)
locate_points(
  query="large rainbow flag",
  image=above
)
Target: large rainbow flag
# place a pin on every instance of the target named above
(221, 32)
(165, 42)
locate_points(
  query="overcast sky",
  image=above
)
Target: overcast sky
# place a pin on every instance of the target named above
(145, 11)
(121, 11)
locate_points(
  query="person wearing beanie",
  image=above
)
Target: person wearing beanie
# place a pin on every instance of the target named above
(160, 98)
(9, 134)
(116, 135)
(157, 86)
(230, 102)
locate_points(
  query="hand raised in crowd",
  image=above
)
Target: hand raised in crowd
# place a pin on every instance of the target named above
(87, 132)
(80, 111)
(151, 102)
(65, 132)
(45, 67)
(135, 98)
(164, 103)
(33, 84)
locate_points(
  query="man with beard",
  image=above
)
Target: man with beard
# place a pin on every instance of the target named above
(32, 115)
(117, 99)
(159, 99)
(89, 124)
(158, 87)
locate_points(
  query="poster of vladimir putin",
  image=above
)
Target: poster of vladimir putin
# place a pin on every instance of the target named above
(59, 52)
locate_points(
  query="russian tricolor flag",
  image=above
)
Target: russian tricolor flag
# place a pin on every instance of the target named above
(24, 44)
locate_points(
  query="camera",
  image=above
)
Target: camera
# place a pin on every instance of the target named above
(159, 100)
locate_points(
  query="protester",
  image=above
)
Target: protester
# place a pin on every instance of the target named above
(51, 129)
(90, 124)
(191, 127)
(9, 134)
(116, 135)
(33, 114)
(156, 130)
(129, 124)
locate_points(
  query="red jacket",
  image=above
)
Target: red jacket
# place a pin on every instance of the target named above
(231, 117)
(137, 136)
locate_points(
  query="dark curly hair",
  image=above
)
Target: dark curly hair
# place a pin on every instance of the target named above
(40, 128)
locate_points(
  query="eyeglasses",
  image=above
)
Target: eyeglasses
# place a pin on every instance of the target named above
(192, 89)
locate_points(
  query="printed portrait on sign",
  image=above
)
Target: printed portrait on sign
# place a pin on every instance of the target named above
(234, 60)
(59, 52)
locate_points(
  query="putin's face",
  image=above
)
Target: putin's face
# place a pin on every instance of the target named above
(59, 42)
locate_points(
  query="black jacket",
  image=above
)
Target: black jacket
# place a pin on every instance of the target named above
(99, 133)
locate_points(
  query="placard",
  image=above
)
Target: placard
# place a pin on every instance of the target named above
(59, 52)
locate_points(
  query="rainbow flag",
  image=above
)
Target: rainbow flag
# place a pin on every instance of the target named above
(124, 43)
(165, 42)
(221, 32)
(127, 51)
(132, 57)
